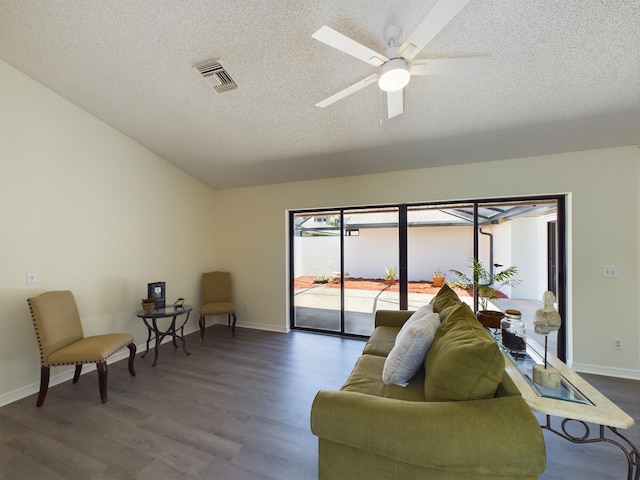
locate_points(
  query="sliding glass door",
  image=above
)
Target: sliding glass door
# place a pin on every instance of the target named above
(340, 263)
(371, 266)
(516, 233)
(317, 254)
(346, 263)
(439, 238)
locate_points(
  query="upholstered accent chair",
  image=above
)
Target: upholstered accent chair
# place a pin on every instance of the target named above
(62, 341)
(216, 299)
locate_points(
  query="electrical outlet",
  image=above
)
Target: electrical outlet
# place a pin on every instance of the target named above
(245, 307)
(610, 271)
(617, 343)
(32, 277)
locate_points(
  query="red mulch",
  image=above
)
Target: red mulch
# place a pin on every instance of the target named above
(374, 284)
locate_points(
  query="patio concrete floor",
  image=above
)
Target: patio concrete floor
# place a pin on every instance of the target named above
(318, 307)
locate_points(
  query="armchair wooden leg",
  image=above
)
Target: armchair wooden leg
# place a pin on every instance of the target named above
(233, 325)
(132, 357)
(102, 380)
(44, 385)
(201, 325)
(76, 375)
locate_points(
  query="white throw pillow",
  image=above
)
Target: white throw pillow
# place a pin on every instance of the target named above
(410, 348)
(422, 312)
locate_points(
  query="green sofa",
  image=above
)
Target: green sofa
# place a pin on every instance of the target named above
(459, 417)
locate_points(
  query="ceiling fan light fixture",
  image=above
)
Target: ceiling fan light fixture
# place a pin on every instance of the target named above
(394, 75)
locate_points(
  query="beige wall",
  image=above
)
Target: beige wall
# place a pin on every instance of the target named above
(603, 220)
(88, 210)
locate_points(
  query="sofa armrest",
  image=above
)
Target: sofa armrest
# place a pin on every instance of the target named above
(498, 435)
(391, 318)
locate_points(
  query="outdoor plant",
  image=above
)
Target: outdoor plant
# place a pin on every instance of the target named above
(390, 273)
(438, 277)
(487, 283)
(321, 279)
(148, 305)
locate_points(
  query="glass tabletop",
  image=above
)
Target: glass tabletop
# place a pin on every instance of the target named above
(165, 312)
(524, 362)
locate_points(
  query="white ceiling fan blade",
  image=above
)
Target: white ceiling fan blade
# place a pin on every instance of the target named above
(449, 66)
(439, 16)
(348, 91)
(347, 45)
(395, 103)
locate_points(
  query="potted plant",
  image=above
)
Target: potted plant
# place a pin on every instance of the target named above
(148, 305)
(390, 274)
(438, 278)
(487, 284)
(321, 279)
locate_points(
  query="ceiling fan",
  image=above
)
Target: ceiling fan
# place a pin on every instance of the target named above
(397, 65)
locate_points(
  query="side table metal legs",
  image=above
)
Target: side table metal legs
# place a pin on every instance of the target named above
(588, 436)
(159, 335)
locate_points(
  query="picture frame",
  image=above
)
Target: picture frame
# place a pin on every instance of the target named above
(157, 291)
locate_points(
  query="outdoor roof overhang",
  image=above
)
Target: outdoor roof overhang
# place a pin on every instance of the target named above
(427, 216)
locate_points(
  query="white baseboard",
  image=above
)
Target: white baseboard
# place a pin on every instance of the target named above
(262, 326)
(253, 326)
(65, 376)
(606, 371)
(22, 392)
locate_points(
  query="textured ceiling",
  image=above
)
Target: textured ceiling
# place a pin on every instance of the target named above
(563, 75)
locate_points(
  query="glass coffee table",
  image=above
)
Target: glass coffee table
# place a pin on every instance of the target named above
(575, 401)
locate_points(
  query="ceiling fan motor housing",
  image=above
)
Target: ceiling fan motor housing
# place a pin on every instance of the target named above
(393, 75)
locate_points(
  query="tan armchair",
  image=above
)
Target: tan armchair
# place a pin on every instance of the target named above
(216, 299)
(62, 341)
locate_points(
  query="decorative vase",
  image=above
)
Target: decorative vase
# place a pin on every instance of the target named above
(512, 330)
(437, 281)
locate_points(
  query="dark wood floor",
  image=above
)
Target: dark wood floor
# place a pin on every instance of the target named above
(237, 408)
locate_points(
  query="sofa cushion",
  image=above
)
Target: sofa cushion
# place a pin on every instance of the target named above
(381, 341)
(464, 362)
(366, 377)
(411, 345)
(444, 298)
(383, 337)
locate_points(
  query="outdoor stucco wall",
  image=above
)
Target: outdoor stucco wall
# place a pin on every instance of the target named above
(602, 221)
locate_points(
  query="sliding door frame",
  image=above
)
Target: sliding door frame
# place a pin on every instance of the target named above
(403, 259)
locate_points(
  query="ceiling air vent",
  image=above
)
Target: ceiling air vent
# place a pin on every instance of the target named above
(216, 77)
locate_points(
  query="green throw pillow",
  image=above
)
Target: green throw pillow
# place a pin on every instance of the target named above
(448, 310)
(445, 298)
(464, 362)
